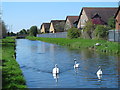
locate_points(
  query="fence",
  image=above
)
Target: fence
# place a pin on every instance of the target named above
(54, 35)
(114, 35)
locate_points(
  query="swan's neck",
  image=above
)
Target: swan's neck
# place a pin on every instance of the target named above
(75, 62)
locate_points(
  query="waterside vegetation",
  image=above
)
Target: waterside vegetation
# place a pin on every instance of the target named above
(12, 76)
(77, 43)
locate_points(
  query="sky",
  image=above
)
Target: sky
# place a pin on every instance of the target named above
(23, 15)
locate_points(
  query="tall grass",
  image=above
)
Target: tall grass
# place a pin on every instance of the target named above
(12, 76)
(106, 46)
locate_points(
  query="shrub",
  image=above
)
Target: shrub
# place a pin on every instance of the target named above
(111, 22)
(73, 33)
(101, 31)
(89, 28)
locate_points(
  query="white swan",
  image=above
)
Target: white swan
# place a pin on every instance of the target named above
(99, 73)
(55, 69)
(76, 65)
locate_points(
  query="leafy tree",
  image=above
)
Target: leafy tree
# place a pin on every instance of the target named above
(73, 33)
(111, 22)
(28, 31)
(101, 31)
(33, 31)
(23, 31)
(12, 34)
(89, 28)
(3, 29)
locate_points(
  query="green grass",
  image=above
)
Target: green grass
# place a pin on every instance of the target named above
(12, 76)
(106, 47)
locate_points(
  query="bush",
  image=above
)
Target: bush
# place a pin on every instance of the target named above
(111, 22)
(88, 29)
(73, 33)
(101, 31)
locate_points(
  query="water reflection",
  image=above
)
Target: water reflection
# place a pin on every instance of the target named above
(56, 76)
(37, 59)
(76, 70)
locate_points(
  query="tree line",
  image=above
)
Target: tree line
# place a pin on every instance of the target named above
(33, 31)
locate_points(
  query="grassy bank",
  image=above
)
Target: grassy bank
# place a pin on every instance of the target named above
(12, 76)
(106, 46)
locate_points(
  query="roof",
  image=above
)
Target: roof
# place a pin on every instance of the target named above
(96, 19)
(117, 12)
(57, 21)
(46, 26)
(104, 12)
(72, 19)
(58, 24)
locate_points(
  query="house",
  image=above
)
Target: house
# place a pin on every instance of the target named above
(57, 26)
(45, 28)
(117, 17)
(70, 22)
(98, 15)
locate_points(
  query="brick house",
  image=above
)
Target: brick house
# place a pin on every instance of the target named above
(98, 15)
(57, 26)
(70, 22)
(45, 28)
(117, 17)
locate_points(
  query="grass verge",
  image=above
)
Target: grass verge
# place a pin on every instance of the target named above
(106, 46)
(12, 76)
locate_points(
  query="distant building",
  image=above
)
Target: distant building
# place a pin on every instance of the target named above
(97, 15)
(57, 26)
(117, 17)
(70, 22)
(45, 28)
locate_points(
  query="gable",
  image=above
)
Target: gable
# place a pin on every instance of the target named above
(104, 13)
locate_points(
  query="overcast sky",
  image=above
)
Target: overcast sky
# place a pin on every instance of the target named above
(19, 15)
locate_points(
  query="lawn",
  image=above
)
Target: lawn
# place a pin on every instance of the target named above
(106, 46)
(12, 76)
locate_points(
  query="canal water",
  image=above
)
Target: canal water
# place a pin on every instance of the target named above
(37, 59)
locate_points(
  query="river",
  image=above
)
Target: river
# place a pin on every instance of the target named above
(37, 59)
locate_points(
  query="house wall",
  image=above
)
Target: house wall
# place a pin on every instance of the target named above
(43, 29)
(82, 20)
(67, 25)
(118, 21)
(52, 28)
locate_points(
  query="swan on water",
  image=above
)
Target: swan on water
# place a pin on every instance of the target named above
(99, 73)
(55, 69)
(76, 65)
(55, 72)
